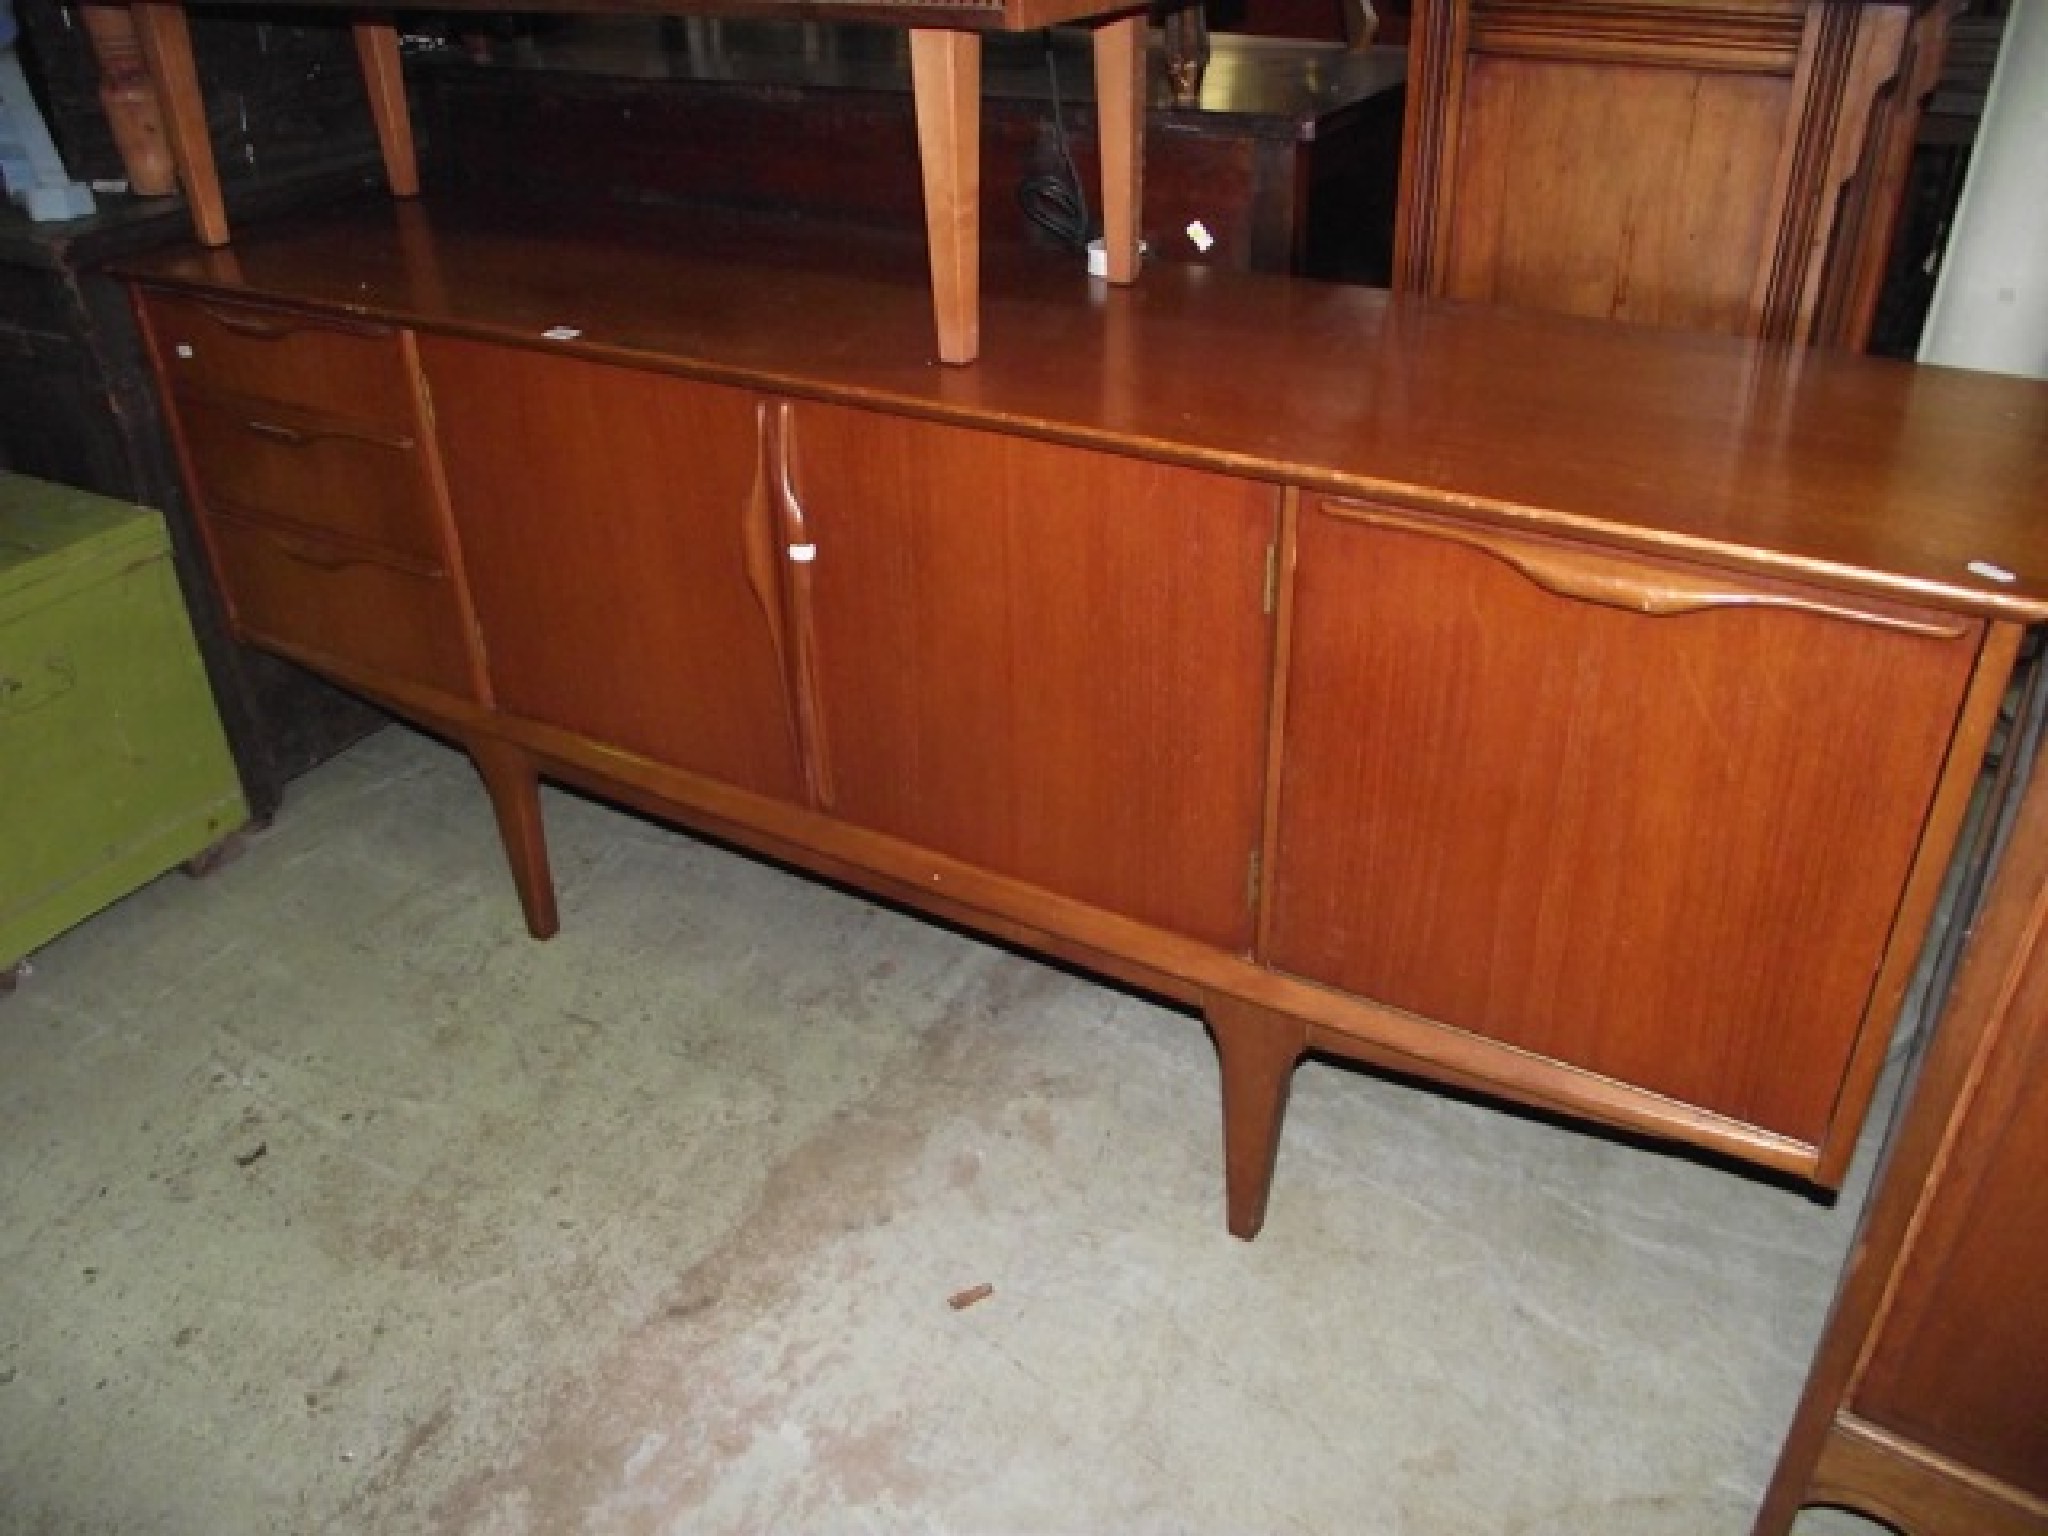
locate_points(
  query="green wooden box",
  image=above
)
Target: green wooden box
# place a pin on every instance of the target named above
(113, 767)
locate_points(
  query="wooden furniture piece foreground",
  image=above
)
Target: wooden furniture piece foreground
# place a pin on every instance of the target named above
(945, 59)
(1576, 713)
(1731, 166)
(1927, 1406)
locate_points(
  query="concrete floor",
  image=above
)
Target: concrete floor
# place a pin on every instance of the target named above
(332, 1203)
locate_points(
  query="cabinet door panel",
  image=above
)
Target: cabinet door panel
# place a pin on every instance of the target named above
(1047, 662)
(1959, 1362)
(603, 519)
(1624, 192)
(1666, 848)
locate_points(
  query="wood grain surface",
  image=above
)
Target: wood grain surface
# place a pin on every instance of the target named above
(1863, 473)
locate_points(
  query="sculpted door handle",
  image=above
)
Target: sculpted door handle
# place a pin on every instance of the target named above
(760, 525)
(781, 586)
(1619, 581)
(802, 551)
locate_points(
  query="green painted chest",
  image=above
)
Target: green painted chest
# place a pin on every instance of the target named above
(113, 767)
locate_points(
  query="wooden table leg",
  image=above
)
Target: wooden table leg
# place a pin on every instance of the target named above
(1258, 1049)
(514, 787)
(167, 49)
(1120, 109)
(384, 79)
(128, 97)
(945, 80)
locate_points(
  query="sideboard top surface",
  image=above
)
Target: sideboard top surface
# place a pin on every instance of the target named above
(1918, 482)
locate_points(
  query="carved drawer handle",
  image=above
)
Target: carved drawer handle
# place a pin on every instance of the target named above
(261, 329)
(321, 557)
(301, 437)
(247, 325)
(1614, 581)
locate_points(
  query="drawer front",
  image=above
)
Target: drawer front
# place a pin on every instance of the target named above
(335, 603)
(277, 465)
(358, 374)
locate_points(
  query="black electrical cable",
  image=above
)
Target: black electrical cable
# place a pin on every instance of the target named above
(1055, 201)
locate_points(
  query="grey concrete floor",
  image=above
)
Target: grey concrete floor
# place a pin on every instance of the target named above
(332, 1203)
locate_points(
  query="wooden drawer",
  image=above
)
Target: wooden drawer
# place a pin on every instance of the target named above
(330, 477)
(333, 603)
(357, 373)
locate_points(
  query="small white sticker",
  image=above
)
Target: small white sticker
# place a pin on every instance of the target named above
(1198, 232)
(803, 554)
(184, 349)
(561, 333)
(1991, 572)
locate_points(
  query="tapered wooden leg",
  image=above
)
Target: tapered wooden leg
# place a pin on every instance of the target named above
(128, 97)
(167, 49)
(945, 81)
(514, 787)
(1258, 1049)
(1120, 111)
(384, 79)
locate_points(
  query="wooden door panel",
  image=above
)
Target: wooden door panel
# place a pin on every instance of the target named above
(1960, 1359)
(1664, 848)
(603, 516)
(1047, 662)
(1632, 192)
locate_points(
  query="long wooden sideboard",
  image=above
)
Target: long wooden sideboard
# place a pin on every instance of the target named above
(945, 66)
(1578, 714)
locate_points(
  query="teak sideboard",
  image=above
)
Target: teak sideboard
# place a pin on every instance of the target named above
(1576, 714)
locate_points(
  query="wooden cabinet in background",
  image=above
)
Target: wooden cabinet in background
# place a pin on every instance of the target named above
(1732, 166)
